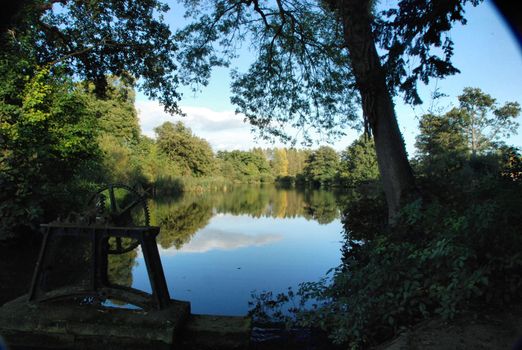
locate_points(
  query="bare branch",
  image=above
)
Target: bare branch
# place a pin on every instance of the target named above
(261, 13)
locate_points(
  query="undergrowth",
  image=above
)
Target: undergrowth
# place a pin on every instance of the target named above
(457, 249)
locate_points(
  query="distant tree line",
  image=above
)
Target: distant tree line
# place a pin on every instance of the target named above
(177, 159)
(60, 141)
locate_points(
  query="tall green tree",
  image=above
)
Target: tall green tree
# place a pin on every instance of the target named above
(48, 148)
(358, 162)
(155, 166)
(193, 155)
(116, 112)
(482, 120)
(245, 166)
(439, 135)
(322, 166)
(296, 160)
(261, 161)
(476, 127)
(441, 144)
(119, 131)
(280, 162)
(317, 59)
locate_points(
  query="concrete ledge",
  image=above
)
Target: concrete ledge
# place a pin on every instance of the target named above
(217, 332)
(73, 326)
(68, 325)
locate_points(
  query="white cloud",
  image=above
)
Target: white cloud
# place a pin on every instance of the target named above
(151, 115)
(214, 239)
(205, 119)
(223, 130)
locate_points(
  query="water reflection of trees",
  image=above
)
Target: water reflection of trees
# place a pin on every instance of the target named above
(179, 220)
(240, 200)
(269, 201)
(120, 268)
(182, 217)
(321, 206)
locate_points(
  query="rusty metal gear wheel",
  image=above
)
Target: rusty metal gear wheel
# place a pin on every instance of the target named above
(122, 206)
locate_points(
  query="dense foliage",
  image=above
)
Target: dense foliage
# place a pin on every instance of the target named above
(482, 122)
(456, 250)
(95, 39)
(358, 163)
(242, 165)
(66, 122)
(60, 141)
(47, 133)
(190, 153)
(305, 74)
(322, 166)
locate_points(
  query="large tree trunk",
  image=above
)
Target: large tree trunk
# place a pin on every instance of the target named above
(396, 173)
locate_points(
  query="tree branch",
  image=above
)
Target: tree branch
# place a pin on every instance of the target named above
(261, 13)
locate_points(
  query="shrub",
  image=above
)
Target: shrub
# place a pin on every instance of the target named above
(460, 249)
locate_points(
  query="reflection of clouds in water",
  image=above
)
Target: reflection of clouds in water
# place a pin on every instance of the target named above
(206, 240)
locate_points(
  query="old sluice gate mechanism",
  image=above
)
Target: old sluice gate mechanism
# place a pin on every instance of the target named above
(81, 295)
(74, 259)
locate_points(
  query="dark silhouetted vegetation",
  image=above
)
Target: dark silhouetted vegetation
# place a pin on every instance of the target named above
(456, 250)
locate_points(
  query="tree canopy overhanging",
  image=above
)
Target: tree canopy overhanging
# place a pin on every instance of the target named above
(94, 39)
(316, 60)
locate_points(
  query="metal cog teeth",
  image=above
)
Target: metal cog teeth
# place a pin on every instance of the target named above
(114, 215)
(147, 213)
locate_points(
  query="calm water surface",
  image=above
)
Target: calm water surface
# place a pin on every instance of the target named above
(216, 248)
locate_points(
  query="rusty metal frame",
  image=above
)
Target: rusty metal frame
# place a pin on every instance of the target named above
(99, 285)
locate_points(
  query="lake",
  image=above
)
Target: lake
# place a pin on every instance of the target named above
(219, 247)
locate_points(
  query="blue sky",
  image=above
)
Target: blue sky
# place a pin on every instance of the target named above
(486, 52)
